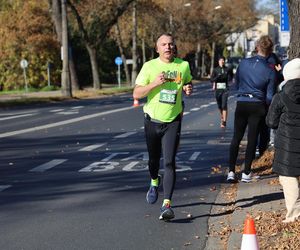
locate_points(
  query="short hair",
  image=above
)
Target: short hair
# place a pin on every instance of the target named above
(163, 34)
(265, 44)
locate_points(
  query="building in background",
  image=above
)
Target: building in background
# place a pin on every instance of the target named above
(245, 41)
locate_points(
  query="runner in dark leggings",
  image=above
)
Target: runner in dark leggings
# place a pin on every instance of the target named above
(246, 114)
(163, 138)
(219, 78)
(163, 80)
(255, 81)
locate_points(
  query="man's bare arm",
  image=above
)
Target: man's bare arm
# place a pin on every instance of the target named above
(142, 91)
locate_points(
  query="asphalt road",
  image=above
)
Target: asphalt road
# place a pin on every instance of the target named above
(73, 175)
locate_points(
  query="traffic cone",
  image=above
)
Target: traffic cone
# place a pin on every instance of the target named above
(136, 103)
(249, 241)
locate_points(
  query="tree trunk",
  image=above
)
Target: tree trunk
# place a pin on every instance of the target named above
(213, 47)
(144, 50)
(73, 74)
(65, 78)
(197, 54)
(94, 64)
(121, 48)
(57, 20)
(294, 19)
(203, 64)
(134, 46)
(152, 51)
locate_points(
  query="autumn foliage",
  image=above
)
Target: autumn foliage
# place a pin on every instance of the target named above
(26, 32)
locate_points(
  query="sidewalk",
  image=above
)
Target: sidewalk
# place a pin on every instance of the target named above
(252, 198)
(235, 202)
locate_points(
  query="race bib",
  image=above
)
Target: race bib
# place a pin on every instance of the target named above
(168, 96)
(221, 85)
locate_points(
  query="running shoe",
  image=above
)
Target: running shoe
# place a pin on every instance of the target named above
(231, 177)
(152, 193)
(166, 212)
(246, 177)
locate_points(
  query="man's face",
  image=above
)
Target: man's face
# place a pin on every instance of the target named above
(165, 47)
(221, 62)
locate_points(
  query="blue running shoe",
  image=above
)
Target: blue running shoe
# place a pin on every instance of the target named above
(152, 193)
(166, 213)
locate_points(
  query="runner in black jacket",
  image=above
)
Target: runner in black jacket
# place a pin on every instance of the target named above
(220, 78)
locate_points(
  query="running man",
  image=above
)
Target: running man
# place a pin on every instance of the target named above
(219, 79)
(163, 80)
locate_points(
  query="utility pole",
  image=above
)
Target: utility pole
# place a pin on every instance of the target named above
(134, 45)
(65, 76)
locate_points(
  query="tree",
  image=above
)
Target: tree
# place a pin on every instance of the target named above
(26, 33)
(94, 20)
(55, 10)
(294, 19)
(120, 43)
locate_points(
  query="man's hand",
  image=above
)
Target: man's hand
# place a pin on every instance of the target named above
(159, 80)
(188, 89)
(214, 86)
(141, 91)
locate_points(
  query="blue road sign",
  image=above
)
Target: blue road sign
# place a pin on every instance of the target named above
(118, 60)
(284, 16)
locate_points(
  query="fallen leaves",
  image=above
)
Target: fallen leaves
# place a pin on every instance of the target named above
(216, 169)
(272, 233)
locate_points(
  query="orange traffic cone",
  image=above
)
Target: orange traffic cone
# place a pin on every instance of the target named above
(136, 103)
(249, 241)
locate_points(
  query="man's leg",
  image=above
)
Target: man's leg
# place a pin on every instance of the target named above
(224, 106)
(153, 141)
(169, 146)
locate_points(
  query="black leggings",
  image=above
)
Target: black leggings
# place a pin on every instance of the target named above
(246, 114)
(163, 138)
(221, 98)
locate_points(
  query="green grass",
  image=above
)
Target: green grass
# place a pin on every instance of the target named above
(19, 98)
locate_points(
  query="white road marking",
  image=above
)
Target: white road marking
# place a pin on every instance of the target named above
(143, 155)
(217, 142)
(3, 187)
(77, 107)
(130, 167)
(125, 135)
(68, 112)
(16, 116)
(212, 103)
(194, 156)
(186, 113)
(56, 110)
(56, 124)
(92, 147)
(48, 165)
(100, 166)
(204, 106)
(195, 109)
(112, 155)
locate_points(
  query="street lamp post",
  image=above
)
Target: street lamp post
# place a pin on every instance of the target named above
(65, 77)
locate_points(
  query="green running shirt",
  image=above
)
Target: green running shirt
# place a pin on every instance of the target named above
(164, 103)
